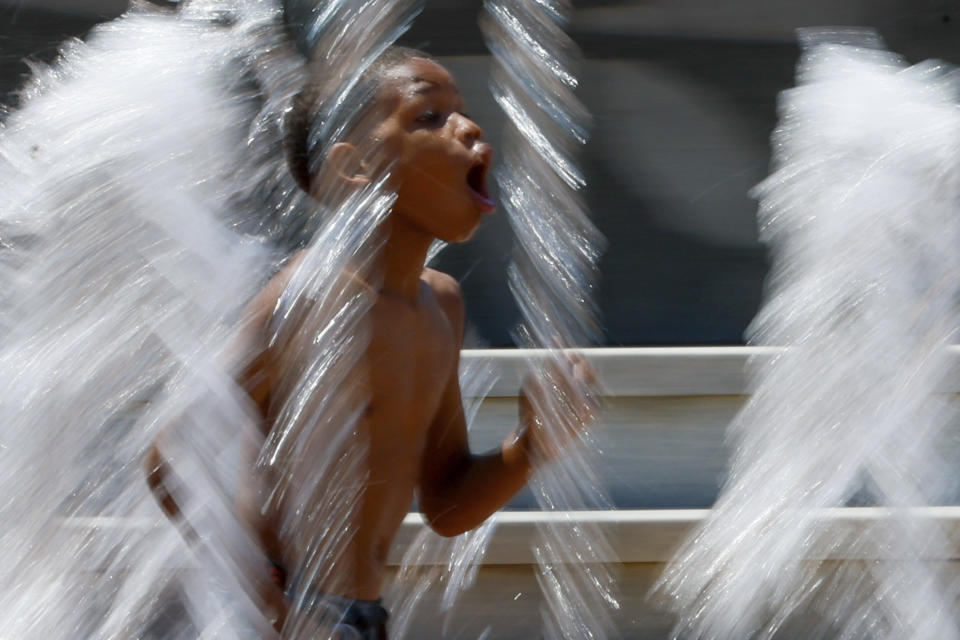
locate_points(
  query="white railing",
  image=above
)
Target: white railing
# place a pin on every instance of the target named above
(664, 378)
(660, 371)
(643, 536)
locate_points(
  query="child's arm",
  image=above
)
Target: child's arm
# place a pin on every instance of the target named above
(255, 380)
(159, 480)
(459, 490)
(271, 596)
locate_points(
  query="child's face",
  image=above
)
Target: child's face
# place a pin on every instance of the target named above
(442, 162)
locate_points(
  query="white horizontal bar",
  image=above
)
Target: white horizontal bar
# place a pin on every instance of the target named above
(638, 536)
(637, 371)
(643, 535)
(658, 371)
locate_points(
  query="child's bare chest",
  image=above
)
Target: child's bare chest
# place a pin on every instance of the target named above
(410, 358)
(409, 361)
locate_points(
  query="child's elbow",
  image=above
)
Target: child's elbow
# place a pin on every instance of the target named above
(444, 528)
(443, 521)
(153, 467)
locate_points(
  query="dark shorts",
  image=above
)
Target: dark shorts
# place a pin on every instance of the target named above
(347, 618)
(352, 619)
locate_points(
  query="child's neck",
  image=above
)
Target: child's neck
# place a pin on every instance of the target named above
(402, 258)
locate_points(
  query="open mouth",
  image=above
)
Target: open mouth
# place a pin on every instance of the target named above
(477, 181)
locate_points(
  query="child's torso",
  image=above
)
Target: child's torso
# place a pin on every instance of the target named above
(411, 355)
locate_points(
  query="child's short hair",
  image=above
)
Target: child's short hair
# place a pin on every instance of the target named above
(300, 144)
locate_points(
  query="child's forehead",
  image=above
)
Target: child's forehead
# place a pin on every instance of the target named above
(421, 76)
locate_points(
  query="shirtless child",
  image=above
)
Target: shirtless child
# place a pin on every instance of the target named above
(414, 422)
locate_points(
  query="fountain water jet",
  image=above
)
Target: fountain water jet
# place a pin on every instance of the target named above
(552, 278)
(860, 215)
(148, 203)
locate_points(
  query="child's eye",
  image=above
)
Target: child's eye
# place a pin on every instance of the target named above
(430, 117)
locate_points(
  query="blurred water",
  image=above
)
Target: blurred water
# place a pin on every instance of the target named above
(147, 202)
(861, 219)
(552, 277)
(121, 283)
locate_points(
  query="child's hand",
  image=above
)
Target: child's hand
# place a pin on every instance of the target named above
(557, 407)
(273, 601)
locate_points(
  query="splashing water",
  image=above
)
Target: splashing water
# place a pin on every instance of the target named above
(552, 276)
(552, 279)
(111, 266)
(148, 201)
(860, 216)
(135, 165)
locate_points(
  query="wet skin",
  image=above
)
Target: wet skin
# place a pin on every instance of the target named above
(413, 426)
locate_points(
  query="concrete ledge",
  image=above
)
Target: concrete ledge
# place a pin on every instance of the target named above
(659, 371)
(643, 536)
(653, 535)
(666, 448)
(680, 371)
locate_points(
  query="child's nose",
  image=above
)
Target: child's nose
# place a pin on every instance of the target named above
(468, 131)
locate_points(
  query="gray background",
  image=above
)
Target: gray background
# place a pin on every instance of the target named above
(684, 98)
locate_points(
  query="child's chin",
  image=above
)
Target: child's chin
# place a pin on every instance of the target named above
(465, 236)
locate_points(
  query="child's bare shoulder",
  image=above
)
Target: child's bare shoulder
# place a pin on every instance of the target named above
(449, 296)
(262, 307)
(444, 286)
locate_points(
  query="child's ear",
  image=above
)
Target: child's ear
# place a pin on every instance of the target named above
(346, 163)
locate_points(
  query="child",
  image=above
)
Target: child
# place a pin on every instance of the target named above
(414, 421)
